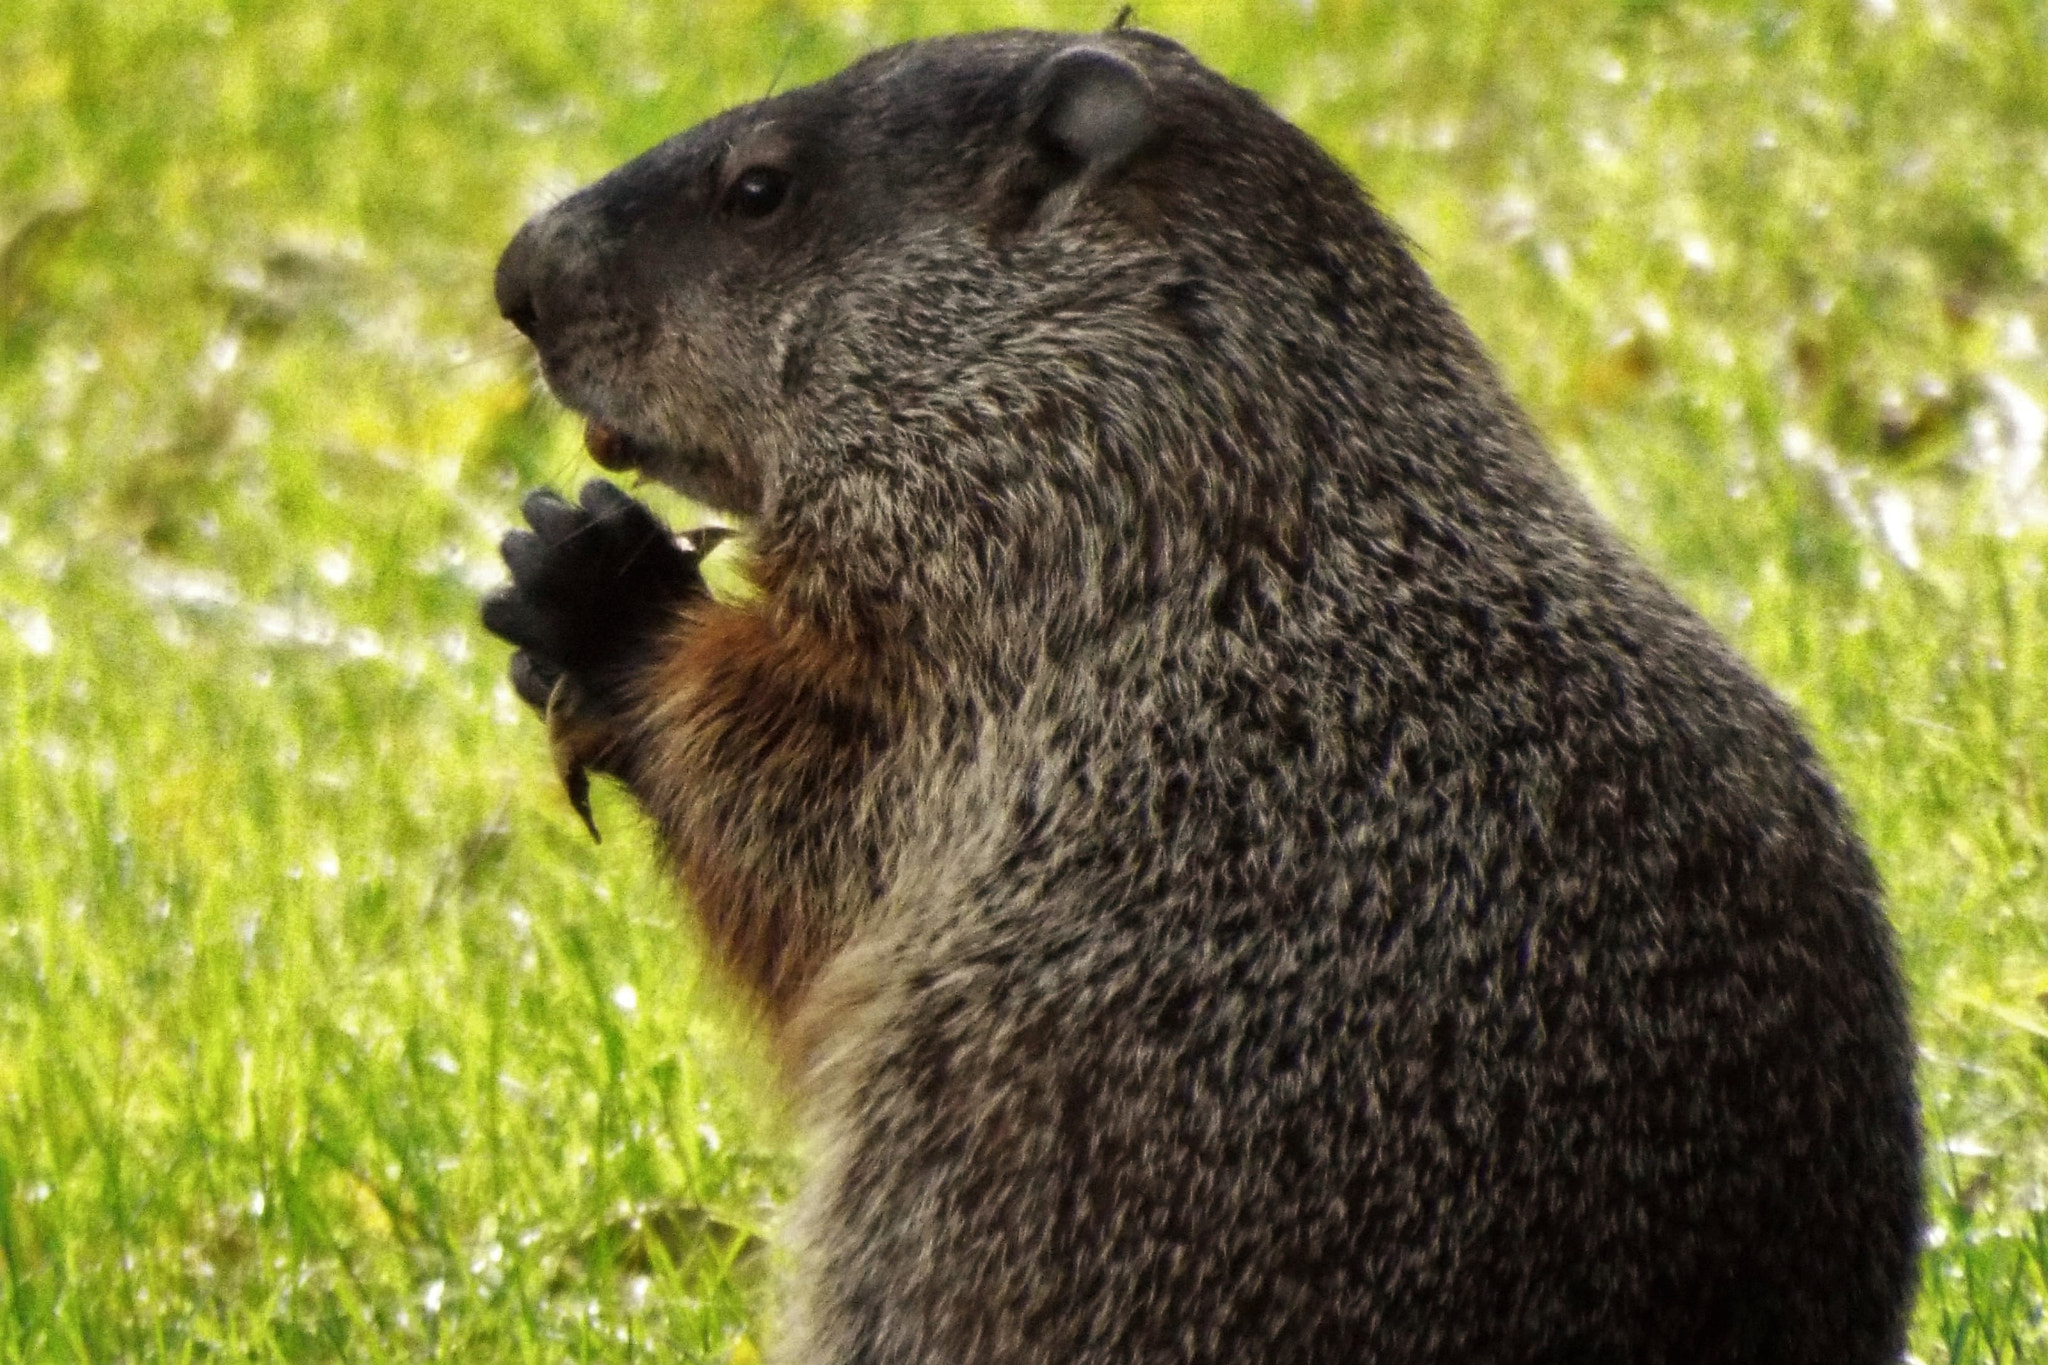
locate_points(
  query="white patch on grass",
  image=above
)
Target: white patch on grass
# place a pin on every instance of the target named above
(506, 708)
(223, 351)
(1965, 1145)
(1513, 216)
(625, 998)
(160, 581)
(1895, 522)
(2017, 339)
(33, 629)
(488, 1258)
(294, 625)
(1802, 447)
(2009, 436)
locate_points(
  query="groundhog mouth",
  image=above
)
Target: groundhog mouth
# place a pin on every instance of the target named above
(611, 448)
(697, 472)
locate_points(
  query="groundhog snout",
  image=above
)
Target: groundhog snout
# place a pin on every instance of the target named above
(545, 281)
(522, 272)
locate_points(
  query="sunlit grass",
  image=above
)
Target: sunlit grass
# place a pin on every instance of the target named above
(325, 1033)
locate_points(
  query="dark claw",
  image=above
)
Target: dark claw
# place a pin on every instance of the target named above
(526, 556)
(534, 679)
(602, 498)
(547, 513)
(705, 539)
(576, 782)
(625, 522)
(512, 617)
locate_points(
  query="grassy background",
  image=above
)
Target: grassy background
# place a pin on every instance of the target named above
(325, 1034)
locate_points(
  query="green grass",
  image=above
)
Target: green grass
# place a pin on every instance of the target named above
(324, 1032)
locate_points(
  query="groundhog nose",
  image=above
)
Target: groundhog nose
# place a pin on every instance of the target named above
(517, 283)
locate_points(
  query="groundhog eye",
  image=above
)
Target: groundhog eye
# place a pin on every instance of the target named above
(757, 193)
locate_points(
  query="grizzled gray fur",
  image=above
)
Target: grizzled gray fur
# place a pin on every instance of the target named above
(1241, 864)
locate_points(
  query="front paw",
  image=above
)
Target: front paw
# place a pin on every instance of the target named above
(594, 584)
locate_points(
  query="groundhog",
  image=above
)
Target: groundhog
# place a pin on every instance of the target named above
(1241, 865)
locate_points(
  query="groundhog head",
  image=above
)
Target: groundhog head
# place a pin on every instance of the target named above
(1007, 229)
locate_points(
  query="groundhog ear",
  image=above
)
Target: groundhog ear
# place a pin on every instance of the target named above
(1090, 110)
